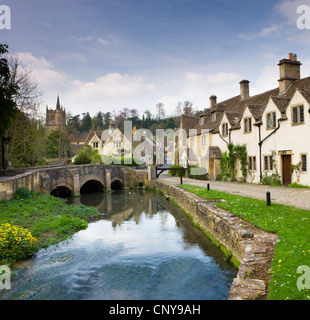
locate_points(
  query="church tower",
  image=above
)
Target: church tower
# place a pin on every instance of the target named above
(56, 119)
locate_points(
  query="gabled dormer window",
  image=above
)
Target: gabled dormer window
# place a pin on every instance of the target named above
(225, 129)
(248, 125)
(271, 120)
(298, 115)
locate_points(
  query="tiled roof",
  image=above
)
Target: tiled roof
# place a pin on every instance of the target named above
(234, 108)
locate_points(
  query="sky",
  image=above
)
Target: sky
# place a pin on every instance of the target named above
(106, 55)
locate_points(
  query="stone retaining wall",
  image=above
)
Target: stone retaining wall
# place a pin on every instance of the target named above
(252, 247)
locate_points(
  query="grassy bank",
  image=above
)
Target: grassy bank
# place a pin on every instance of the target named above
(48, 219)
(291, 251)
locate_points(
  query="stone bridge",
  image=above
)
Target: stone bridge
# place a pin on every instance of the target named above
(70, 179)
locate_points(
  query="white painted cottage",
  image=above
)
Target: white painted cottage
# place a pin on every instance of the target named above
(274, 125)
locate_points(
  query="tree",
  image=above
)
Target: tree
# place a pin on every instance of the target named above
(74, 124)
(188, 108)
(8, 91)
(96, 121)
(160, 107)
(107, 117)
(57, 145)
(86, 123)
(170, 124)
(27, 145)
(26, 132)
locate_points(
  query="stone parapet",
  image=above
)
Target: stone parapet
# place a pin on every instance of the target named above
(252, 247)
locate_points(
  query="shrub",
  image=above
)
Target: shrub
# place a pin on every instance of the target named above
(271, 180)
(177, 173)
(23, 193)
(297, 185)
(15, 243)
(87, 155)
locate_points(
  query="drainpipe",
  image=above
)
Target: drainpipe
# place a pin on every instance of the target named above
(260, 143)
(223, 138)
(260, 153)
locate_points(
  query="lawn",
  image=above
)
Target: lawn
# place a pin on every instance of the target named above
(48, 219)
(291, 251)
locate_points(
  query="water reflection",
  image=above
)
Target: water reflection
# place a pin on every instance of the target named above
(142, 248)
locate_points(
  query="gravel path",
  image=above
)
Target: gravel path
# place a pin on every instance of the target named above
(299, 198)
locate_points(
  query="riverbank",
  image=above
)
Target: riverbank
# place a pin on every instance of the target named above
(289, 225)
(50, 220)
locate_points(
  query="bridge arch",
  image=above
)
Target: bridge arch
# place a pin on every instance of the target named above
(62, 191)
(92, 186)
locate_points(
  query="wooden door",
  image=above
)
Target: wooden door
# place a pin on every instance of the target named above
(286, 169)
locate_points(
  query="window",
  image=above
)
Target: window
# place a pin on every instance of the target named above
(247, 125)
(271, 120)
(303, 162)
(203, 140)
(298, 115)
(268, 163)
(252, 163)
(192, 142)
(117, 144)
(95, 144)
(202, 120)
(225, 129)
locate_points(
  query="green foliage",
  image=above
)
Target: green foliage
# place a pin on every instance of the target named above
(7, 91)
(228, 161)
(178, 173)
(86, 123)
(297, 185)
(23, 193)
(58, 145)
(48, 219)
(242, 155)
(87, 155)
(292, 226)
(224, 166)
(15, 243)
(271, 180)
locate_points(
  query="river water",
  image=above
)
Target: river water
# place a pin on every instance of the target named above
(143, 248)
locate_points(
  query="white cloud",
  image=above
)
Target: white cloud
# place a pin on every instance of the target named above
(273, 30)
(112, 91)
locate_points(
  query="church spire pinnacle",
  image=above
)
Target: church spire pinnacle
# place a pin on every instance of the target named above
(58, 103)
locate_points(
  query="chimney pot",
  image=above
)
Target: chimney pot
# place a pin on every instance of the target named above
(213, 101)
(289, 72)
(290, 56)
(244, 89)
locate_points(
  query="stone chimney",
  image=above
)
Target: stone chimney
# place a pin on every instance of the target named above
(289, 71)
(213, 101)
(244, 89)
